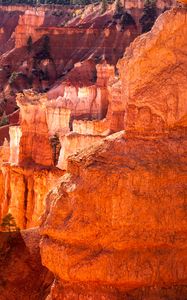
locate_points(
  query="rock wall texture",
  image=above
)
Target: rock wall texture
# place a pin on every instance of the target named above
(23, 191)
(150, 100)
(98, 159)
(21, 272)
(115, 227)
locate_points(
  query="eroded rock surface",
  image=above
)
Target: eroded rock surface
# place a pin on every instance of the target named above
(117, 222)
(153, 75)
(114, 225)
(22, 275)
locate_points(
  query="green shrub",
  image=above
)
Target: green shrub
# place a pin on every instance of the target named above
(4, 120)
(13, 77)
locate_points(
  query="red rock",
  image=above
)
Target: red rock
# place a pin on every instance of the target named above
(34, 143)
(24, 190)
(21, 272)
(73, 143)
(115, 226)
(154, 100)
(109, 221)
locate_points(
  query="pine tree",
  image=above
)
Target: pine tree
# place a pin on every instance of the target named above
(149, 16)
(4, 120)
(104, 5)
(118, 7)
(9, 223)
(29, 44)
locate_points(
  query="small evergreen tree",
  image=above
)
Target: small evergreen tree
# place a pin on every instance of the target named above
(29, 44)
(149, 15)
(4, 120)
(9, 223)
(104, 5)
(118, 7)
(46, 45)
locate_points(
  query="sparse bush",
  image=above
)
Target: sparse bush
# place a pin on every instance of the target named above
(149, 16)
(29, 44)
(118, 7)
(4, 120)
(9, 223)
(45, 50)
(104, 5)
(13, 77)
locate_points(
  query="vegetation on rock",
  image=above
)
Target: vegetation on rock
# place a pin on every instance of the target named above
(149, 16)
(9, 223)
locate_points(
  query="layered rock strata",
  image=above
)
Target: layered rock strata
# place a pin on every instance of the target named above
(115, 227)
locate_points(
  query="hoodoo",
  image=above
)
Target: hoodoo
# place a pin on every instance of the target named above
(93, 166)
(117, 220)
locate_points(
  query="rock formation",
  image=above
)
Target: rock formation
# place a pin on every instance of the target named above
(115, 226)
(21, 274)
(97, 158)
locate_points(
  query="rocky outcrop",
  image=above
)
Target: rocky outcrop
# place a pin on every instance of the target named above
(145, 75)
(24, 190)
(34, 142)
(27, 25)
(115, 226)
(59, 53)
(105, 146)
(22, 275)
(110, 221)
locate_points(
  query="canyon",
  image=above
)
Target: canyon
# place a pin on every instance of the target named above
(93, 163)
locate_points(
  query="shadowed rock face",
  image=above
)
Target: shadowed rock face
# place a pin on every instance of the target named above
(21, 274)
(115, 226)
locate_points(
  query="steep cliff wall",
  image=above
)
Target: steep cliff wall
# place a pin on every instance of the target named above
(145, 76)
(74, 35)
(60, 38)
(115, 226)
(23, 191)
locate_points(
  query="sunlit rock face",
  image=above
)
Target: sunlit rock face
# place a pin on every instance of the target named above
(94, 127)
(73, 143)
(153, 75)
(58, 118)
(84, 90)
(34, 143)
(4, 152)
(24, 190)
(115, 226)
(27, 27)
(15, 135)
(118, 218)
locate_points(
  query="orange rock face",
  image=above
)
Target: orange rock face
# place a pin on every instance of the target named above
(34, 142)
(115, 227)
(23, 191)
(109, 221)
(27, 27)
(154, 100)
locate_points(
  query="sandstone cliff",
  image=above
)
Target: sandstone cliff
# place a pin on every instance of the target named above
(115, 227)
